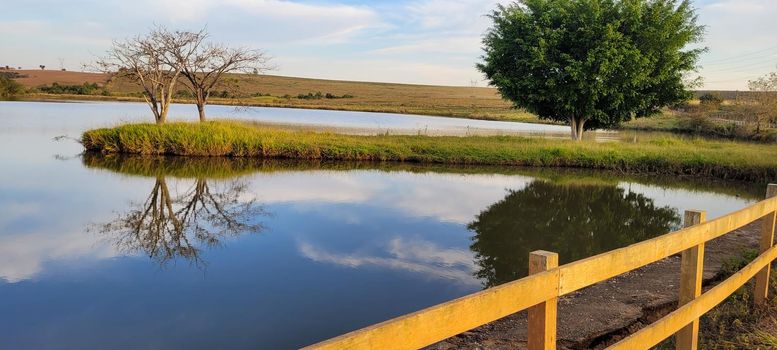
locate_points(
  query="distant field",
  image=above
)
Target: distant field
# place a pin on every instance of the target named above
(467, 102)
(35, 78)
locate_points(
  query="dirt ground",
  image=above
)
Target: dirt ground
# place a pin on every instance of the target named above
(600, 315)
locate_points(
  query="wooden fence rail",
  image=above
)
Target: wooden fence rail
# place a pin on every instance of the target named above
(547, 282)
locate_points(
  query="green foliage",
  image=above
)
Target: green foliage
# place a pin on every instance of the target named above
(592, 63)
(83, 89)
(9, 88)
(727, 160)
(318, 95)
(183, 94)
(12, 75)
(731, 265)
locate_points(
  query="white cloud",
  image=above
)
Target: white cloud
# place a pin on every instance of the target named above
(368, 68)
(265, 20)
(422, 42)
(447, 45)
(453, 15)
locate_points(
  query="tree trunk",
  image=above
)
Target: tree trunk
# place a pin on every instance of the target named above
(580, 128)
(577, 125)
(201, 100)
(163, 113)
(201, 110)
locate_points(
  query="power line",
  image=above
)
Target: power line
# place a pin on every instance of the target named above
(740, 56)
(761, 64)
(748, 59)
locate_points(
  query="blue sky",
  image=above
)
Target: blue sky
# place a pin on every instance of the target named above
(422, 42)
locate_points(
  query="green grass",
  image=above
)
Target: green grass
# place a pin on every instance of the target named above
(667, 155)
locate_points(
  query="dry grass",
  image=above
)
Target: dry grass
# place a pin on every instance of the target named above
(466, 102)
(36, 78)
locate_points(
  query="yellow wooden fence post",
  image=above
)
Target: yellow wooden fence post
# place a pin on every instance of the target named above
(542, 317)
(691, 270)
(767, 240)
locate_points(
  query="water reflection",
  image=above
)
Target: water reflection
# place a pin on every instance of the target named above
(352, 243)
(178, 224)
(574, 220)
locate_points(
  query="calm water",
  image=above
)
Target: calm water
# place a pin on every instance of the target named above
(159, 253)
(109, 113)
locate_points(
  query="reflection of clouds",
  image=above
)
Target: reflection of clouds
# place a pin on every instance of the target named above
(716, 204)
(312, 186)
(15, 211)
(453, 198)
(429, 252)
(42, 221)
(22, 256)
(420, 257)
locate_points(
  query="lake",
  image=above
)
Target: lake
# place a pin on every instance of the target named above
(200, 253)
(360, 123)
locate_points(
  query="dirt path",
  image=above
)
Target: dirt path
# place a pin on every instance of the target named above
(597, 316)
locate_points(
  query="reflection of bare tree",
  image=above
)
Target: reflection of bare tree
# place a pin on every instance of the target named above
(168, 226)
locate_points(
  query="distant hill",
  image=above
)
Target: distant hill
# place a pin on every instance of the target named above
(279, 91)
(35, 78)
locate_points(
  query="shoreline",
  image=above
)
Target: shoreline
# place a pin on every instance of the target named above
(670, 156)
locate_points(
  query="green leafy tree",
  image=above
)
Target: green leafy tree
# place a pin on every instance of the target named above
(592, 63)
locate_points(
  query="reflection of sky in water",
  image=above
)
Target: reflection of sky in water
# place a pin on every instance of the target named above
(341, 249)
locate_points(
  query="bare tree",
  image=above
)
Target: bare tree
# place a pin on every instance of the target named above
(203, 65)
(145, 60)
(763, 99)
(42, 67)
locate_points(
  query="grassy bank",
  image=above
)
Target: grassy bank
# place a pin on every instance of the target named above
(667, 155)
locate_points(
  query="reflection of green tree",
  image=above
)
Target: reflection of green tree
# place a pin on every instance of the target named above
(179, 224)
(575, 221)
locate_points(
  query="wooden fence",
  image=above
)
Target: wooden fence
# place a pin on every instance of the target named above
(540, 291)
